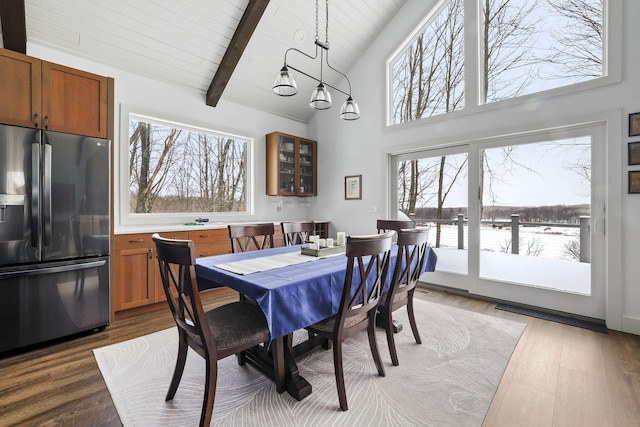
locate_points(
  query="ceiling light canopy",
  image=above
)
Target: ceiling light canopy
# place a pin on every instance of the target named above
(285, 84)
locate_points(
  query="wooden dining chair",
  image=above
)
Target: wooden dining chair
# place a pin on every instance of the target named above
(385, 225)
(367, 265)
(246, 237)
(214, 334)
(412, 250)
(297, 233)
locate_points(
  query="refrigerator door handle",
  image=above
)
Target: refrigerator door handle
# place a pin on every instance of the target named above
(46, 196)
(35, 193)
(54, 269)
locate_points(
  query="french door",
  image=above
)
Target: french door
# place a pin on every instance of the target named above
(516, 218)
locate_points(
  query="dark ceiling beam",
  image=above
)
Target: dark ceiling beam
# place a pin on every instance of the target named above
(241, 37)
(14, 27)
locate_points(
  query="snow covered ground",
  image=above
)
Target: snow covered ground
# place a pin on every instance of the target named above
(552, 268)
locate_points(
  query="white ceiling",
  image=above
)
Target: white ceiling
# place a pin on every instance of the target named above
(183, 41)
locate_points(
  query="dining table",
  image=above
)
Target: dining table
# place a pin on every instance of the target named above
(294, 291)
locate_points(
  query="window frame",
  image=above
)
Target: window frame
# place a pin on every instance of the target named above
(612, 57)
(126, 218)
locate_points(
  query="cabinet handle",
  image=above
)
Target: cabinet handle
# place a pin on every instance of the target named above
(150, 253)
(136, 241)
(35, 119)
(46, 122)
(204, 235)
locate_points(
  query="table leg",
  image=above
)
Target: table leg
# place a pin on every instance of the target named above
(279, 373)
(279, 364)
(297, 386)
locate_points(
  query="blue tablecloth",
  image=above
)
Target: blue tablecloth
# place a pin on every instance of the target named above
(291, 297)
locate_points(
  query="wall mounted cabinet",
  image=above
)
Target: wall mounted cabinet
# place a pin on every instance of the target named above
(49, 96)
(291, 165)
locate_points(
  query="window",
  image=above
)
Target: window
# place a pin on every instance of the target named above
(428, 75)
(526, 46)
(179, 170)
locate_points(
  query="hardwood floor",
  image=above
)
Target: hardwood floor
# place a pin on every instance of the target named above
(559, 375)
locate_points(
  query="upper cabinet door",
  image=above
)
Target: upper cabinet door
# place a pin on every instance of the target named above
(19, 89)
(73, 101)
(307, 168)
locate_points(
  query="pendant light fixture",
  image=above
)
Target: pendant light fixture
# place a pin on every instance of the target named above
(285, 84)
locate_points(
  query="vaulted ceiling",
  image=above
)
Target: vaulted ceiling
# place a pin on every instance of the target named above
(184, 41)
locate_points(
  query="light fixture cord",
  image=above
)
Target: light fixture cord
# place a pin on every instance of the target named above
(317, 32)
(326, 30)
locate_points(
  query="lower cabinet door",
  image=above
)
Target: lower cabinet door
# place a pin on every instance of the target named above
(134, 277)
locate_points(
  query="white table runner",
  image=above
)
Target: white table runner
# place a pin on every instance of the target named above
(255, 265)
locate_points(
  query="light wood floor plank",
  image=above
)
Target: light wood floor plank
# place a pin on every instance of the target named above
(581, 400)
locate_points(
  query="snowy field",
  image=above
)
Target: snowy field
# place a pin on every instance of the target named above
(552, 268)
(549, 241)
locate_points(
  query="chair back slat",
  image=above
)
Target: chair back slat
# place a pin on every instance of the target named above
(247, 237)
(412, 249)
(297, 233)
(367, 268)
(176, 260)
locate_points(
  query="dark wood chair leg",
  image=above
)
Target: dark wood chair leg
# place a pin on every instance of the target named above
(373, 343)
(209, 393)
(412, 320)
(391, 342)
(339, 371)
(179, 369)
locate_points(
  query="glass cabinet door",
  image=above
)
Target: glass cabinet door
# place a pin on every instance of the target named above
(306, 167)
(287, 165)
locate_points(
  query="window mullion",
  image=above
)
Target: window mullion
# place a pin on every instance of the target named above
(472, 52)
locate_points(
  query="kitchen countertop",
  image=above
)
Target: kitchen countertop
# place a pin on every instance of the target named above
(213, 225)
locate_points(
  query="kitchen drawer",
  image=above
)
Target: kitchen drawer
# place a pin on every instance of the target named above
(143, 240)
(211, 242)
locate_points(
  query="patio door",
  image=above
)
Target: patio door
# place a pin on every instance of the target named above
(533, 223)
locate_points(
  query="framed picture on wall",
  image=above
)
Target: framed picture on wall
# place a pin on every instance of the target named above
(353, 187)
(634, 153)
(634, 124)
(634, 182)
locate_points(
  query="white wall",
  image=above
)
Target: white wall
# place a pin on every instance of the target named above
(189, 105)
(360, 147)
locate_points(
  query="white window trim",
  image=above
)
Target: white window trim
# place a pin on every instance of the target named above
(125, 219)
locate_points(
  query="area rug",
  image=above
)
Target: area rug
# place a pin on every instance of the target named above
(449, 380)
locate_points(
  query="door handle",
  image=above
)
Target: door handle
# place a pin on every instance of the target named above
(35, 194)
(46, 194)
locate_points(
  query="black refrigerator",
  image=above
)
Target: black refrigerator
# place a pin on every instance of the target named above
(54, 235)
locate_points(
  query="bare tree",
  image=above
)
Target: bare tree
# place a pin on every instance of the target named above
(510, 62)
(579, 40)
(149, 178)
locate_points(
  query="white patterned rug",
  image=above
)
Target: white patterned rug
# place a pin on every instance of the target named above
(449, 380)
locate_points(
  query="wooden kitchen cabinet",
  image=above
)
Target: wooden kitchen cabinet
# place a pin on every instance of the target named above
(49, 96)
(291, 165)
(136, 280)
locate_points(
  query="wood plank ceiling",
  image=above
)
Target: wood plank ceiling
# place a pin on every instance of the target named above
(183, 42)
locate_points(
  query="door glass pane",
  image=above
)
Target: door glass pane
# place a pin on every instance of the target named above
(433, 191)
(536, 204)
(287, 164)
(306, 167)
